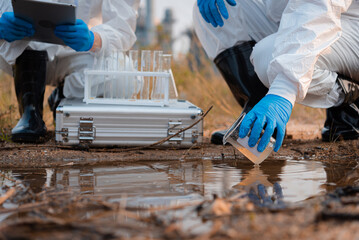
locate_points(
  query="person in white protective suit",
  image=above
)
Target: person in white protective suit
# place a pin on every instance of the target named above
(33, 64)
(273, 53)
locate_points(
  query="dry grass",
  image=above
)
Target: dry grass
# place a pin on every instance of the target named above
(8, 105)
(202, 85)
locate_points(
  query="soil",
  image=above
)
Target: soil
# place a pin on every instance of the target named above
(63, 214)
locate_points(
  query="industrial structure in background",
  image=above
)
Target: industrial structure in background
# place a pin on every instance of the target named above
(160, 35)
(149, 33)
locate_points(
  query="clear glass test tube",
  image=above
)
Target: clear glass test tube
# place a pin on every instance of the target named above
(108, 67)
(145, 67)
(157, 81)
(114, 67)
(121, 80)
(135, 82)
(166, 67)
(166, 62)
(133, 56)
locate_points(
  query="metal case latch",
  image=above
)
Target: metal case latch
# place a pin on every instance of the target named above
(87, 131)
(173, 128)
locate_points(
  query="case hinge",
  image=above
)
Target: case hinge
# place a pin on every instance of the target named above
(87, 132)
(173, 128)
(64, 132)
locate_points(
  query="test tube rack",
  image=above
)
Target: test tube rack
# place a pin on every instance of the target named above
(96, 79)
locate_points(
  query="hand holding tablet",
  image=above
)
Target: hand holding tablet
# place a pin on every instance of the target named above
(44, 17)
(13, 28)
(77, 36)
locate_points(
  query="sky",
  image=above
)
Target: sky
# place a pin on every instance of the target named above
(182, 12)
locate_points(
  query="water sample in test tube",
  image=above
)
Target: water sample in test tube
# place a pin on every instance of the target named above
(134, 82)
(145, 67)
(157, 81)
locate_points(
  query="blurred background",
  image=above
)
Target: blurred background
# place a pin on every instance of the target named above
(167, 25)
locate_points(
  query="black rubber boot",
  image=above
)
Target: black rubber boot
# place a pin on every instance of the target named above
(30, 77)
(342, 122)
(238, 72)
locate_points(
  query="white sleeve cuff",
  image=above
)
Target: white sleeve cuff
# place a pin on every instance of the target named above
(284, 91)
(104, 41)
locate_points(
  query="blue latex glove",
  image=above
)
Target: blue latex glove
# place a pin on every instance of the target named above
(13, 28)
(212, 10)
(273, 112)
(77, 36)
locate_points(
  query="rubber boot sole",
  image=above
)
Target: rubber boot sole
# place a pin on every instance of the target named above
(28, 137)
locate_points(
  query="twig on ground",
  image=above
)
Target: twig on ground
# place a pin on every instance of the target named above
(25, 207)
(10, 179)
(183, 157)
(11, 192)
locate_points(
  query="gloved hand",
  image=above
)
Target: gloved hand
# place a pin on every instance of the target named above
(13, 28)
(77, 36)
(273, 112)
(211, 10)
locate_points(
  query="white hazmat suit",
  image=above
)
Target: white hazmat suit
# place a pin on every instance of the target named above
(301, 47)
(113, 20)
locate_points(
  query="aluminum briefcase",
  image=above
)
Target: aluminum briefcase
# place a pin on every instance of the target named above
(127, 125)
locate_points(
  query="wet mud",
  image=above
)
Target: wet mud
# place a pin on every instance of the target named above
(309, 190)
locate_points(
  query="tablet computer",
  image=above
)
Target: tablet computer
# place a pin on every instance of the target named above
(45, 16)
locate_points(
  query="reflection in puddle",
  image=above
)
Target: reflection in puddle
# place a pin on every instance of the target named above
(165, 183)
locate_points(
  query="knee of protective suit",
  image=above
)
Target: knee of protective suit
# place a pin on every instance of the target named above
(71, 69)
(74, 85)
(261, 58)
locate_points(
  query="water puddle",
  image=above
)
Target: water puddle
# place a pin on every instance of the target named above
(168, 183)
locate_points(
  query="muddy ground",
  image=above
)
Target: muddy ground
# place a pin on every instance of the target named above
(56, 213)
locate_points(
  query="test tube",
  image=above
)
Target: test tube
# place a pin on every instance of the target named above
(133, 55)
(108, 66)
(166, 62)
(135, 83)
(166, 67)
(121, 86)
(157, 81)
(145, 67)
(114, 67)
